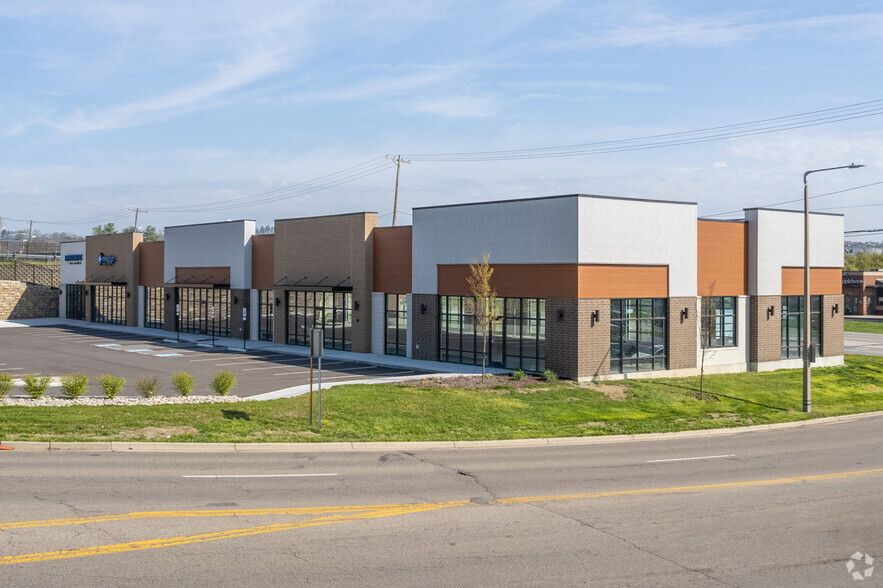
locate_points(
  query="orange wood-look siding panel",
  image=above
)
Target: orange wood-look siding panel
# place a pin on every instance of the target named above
(623, 281)
(392, 260)
(262, 247)
(723, 255)
(516, 280)
(200, 276)
(151, 257)
(822, 280)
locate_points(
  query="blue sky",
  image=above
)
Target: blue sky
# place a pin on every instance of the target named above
(178, 107)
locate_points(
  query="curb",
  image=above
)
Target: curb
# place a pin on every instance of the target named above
(159, 447)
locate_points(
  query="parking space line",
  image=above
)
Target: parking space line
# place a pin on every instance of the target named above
(372, 376)
(10, 369)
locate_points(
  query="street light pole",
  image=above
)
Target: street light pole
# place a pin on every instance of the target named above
(807, 307)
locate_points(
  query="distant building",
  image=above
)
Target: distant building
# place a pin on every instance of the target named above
(863, 292)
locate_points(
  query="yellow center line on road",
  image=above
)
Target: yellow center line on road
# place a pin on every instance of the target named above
(190, 539)
(343, 514)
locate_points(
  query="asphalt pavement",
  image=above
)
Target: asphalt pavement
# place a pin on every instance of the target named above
(863, 343)
(782, 507)
(263, 370)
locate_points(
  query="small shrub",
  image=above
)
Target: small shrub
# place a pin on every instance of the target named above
(518, 375)
(112, 385)
(148, 386)
(550, 376)
(223, 382)
(6, 384)
(183, 383)
(74, 385)
(36, 385)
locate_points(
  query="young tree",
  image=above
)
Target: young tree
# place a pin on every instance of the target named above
(479, 280)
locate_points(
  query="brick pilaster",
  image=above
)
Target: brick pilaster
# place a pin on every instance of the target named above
(424, 321)
(764, 329)
(832, 325)
(682, 332)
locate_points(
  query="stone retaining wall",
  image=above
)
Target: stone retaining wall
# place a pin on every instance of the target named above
(22, 301)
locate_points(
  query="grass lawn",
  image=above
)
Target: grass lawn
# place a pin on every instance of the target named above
(411, 413)
(863, 327)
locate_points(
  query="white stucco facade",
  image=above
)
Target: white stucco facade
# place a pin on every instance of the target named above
(775, 240)
(620, 231)
(578, 229)
(514, 231)
(211, 245)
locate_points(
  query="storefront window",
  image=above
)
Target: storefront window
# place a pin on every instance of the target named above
(109, 305)
(396, 324)
(75, 302)
(267, 308)
(637, 334)
(518, 340)
(330, 311)
(718, 321)
(204, 311)
(154, 307)
(792, 325)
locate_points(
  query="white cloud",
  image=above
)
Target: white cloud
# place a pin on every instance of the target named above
(249, 69)
(459, 106)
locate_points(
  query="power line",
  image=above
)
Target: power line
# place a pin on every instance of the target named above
(719, 133)
(739, 211)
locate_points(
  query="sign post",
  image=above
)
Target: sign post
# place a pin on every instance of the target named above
(178, 320)
(317, 349)
(245, 327)
(213, 325)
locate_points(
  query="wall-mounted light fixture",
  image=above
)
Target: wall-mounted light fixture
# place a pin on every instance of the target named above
(685, 314)
(355, 305)
(771, 311)
(835, 309)
(560, 314)
(236, 300)
(596, 316)
(128, 294)
(278, 302)
(422, 308)
(168, 296)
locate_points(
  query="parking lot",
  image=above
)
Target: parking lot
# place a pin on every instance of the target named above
(57, 350)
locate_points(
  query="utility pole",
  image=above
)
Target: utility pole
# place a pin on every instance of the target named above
(398, 161)
(136, 211)
(30, 228)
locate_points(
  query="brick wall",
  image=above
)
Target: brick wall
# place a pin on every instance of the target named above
(562, 330)
(425, 326)
(682, 332)
(764, 329)
(320, 252)
(832, 325)
(575, 348)
(24, 301)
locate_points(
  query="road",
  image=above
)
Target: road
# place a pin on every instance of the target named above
(863, 343)
(782, 507)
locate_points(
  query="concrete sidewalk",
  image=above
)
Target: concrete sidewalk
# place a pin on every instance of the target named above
(130, 447)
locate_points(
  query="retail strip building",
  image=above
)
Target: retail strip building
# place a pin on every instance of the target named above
(590, 287)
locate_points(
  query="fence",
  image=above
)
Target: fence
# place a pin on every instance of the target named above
(34, 273)
(35, 248)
